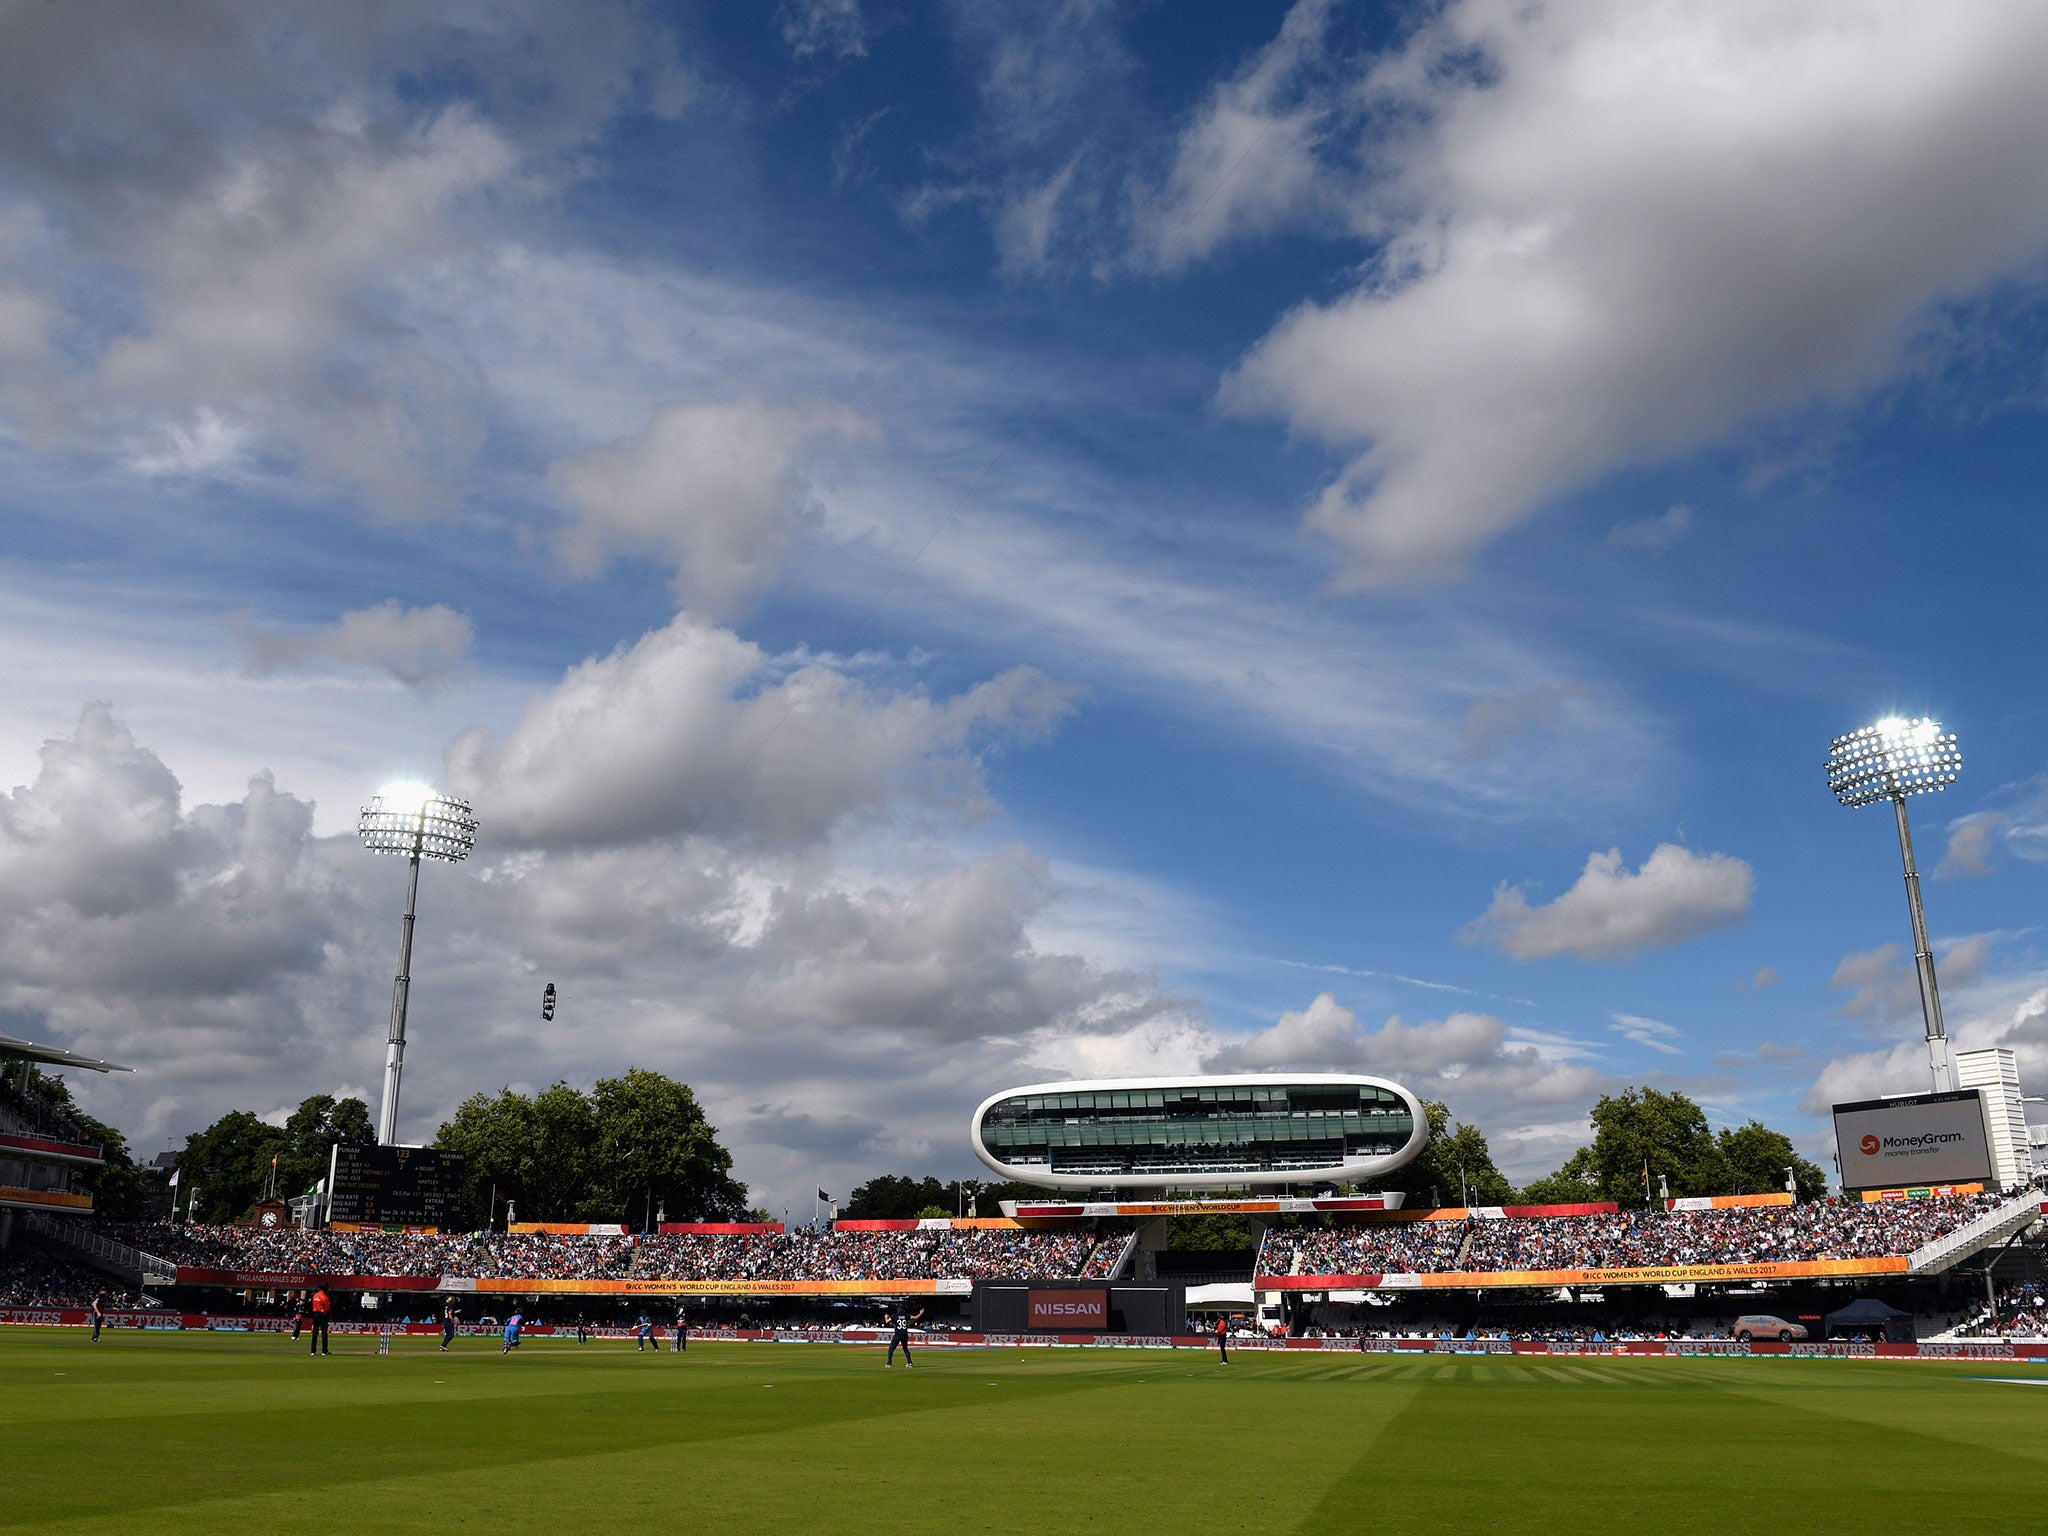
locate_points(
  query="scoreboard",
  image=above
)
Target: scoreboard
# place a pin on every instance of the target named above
(395, 1186)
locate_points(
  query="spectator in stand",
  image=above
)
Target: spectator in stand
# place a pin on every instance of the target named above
(1656, 1239)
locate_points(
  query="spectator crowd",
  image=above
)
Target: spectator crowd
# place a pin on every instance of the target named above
(804, 1254)
(1657, 1239)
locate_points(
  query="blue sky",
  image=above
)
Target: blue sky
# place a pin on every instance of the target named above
(952, 543)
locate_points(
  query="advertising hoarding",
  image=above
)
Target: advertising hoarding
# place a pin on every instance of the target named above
(1927, 1138)
(1055, 1311)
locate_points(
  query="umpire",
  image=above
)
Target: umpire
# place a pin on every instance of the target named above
(322, 1306)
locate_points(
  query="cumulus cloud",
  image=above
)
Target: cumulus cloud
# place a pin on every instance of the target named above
(213, 203)
(715, 488)
(1510, 1081)
(1611, 913)
(1615, 233)
(418, 646)
(692, 729)
(840, 1018)
(1884, 983)
(1765, 977)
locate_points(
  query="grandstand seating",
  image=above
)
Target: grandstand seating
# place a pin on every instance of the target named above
(1824, 1229)
(926, 1253)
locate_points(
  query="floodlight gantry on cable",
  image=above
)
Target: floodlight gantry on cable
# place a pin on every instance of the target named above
(414, 822)
(1889, 761)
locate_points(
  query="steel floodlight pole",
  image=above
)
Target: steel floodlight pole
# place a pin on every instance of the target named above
(394, 1042)
(414, 823)
(1889, 761)
(1938, 1060)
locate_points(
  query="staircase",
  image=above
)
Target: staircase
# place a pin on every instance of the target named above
(131, 1264)
(1988, 1230)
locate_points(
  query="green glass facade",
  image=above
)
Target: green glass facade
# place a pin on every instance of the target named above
(1266, 1130)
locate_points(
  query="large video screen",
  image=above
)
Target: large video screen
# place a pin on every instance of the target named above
(1930, 1138)
(395, 1186)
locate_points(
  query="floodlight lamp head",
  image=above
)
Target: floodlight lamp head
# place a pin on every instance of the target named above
(414, 821)
(1891, 760)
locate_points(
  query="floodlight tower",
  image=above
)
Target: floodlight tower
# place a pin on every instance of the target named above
(416, 823)
(1889, 761)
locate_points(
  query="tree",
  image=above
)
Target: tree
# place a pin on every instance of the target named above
(1757, 1158)
(229, 1163)
(120, 1190)
(893, 1197)
(1573, 1184)
(1669, 1132)
(535, 1150)
(654, 1144)
(1455, 1162)
(312, 1131)
(630, 1143)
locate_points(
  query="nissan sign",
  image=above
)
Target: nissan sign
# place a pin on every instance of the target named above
(1067, 1311)
(1928, 1138)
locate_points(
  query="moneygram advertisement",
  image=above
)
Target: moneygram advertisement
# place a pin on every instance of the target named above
(1928, 1138)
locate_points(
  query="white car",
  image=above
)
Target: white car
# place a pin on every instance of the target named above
(1763, 1326)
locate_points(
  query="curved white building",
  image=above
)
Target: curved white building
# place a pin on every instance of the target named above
(1199, 1133)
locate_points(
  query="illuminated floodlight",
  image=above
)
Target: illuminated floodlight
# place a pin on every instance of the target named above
(414, 821)
(1891, 760)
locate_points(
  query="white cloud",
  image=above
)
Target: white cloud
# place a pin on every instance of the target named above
(691, 729)
(1885, 984)
(1651, 1033)
(1612, 914)
(245, 184)
(1653, 533)
(1620, 232)
(1247, 162)
(839, 1020)
(1490, 1074)
(417, 646)
(716, 488)
(1764, 977)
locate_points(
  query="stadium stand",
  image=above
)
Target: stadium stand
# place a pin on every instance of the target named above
(970, 1254)
(1825, 1229)
(30, 1279)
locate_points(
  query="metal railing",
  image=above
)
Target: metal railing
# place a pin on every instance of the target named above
(134, 1263)
(1999, 1222)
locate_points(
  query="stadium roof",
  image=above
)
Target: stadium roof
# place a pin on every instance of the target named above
(49, 1055)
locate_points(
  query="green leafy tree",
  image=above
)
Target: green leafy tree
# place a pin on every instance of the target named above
(1573, 1184)
(229, 1163)
(654, 1147)
(535, 1150)
(1455, 1163)
(892, 1197)
(1211, 1234)
(1644, 1137)
(633, 1142)
(120, 1190)
(312, 1131)
(1757, 1158)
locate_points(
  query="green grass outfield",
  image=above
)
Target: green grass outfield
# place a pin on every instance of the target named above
(247, 1435)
